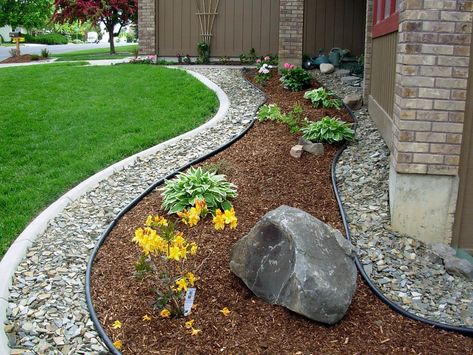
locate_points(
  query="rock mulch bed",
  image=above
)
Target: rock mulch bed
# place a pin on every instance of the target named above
(47, 310)
(267, 177)
(406, 270)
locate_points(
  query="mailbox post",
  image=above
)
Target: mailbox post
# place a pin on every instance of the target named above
(16, 36)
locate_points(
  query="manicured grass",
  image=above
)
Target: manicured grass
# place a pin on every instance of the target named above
(61, 123)
(97, 53)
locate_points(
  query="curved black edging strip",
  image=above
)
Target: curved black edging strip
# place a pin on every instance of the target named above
(371, 284)
(93, 316)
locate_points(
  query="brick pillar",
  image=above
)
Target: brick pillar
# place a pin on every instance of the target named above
(368, 50)
(147, 22)
(291, 31)
(430, 95)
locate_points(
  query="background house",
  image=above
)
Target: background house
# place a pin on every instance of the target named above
(417, 84)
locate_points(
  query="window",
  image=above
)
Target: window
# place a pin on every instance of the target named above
(385, 17)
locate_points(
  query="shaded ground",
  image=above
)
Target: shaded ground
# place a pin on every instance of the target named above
(266, 176)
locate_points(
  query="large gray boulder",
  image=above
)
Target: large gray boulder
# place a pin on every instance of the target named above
(292, 259)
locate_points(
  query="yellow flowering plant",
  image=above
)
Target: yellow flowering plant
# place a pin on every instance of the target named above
(165, 249)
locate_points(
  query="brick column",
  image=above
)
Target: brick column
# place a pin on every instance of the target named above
(368, 50)
(291, 31)
(147, 22)
(431, 81)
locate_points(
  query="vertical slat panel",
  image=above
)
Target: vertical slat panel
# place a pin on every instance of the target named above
(334, 23)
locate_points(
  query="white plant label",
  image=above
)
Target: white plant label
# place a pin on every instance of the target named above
(189, 301)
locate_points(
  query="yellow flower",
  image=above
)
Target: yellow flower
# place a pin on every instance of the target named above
(230, 218)
(118, 344)
(117, 324)
(161, 221)
(146, 318)
(184, 216)
(193, 217)
(189, 324)
(193, 249)
(149, 221)
(219, 220)
(179, 240)
(181, 284)
(165, 313)
(191, 278)
(195, 331)
(174, 253)
(201, 207)
(225, 311)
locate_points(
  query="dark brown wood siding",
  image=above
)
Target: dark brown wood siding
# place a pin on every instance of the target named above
(383, 71)
(463, 230)
(239, 26)
(334, 24)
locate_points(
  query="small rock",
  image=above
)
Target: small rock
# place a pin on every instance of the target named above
(457, 266)
(355, 101)
(327, 68)
(342, 73)
(314, 148)
(443, 250)
(350, 79)
(296, 151)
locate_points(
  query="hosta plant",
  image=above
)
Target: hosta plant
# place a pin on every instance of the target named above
(181, 192)
(294, 78)
(322, 98)
(329, 130)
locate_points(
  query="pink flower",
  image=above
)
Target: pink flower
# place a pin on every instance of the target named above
(288, 66)
(258, 61)
(267, 58)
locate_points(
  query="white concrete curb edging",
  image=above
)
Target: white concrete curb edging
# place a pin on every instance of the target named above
(20, 246)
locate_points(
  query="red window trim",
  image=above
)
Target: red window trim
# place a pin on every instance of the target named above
(386, 25)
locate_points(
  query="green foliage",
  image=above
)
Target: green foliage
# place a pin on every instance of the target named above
(50, 38)
(34, 57)
(27, 14)
(322, 97)
(329, 130)
(143, 266)
(203, 50)
(272, 112)
(45, 53)
(181, 192)
(224, 60)
(248, 58)
(295, 79)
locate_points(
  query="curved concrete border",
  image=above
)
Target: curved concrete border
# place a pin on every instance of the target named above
(20, 246)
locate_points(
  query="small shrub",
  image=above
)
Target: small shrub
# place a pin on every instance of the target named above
(294, 78)
(181, 192)
(187, 59)
(34, 57)
(322, 97)
(329, 130)
(248, 58)
(45, 53)
(268, 60)
(50, 38)
(263, 74)
(272, 112)
(224, 60)
(203, 49)
(13, 52)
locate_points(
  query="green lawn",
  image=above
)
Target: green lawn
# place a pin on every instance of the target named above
(97, 53)
(61, 123)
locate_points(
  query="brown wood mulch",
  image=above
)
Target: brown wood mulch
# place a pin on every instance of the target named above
(23, 58)
(267, 177)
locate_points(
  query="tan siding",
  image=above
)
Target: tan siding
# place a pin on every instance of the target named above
(383, 71)
(334, 23)
(239, 26)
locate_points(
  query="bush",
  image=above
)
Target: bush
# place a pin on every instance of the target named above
(34, 57)
(51, 38)
(272, 112)
(45, 53)
(181, 192)
(322, 97)
(329, 130)
(294, 78)
(203, 50)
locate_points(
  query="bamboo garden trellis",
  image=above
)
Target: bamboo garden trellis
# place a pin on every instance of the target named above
(207, 11)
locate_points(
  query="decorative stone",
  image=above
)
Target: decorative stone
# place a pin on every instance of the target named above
(296, 151)
(350, 79)
(310, 147)
(292, 259)
(342, 72)
(354, 101)
(327, 68)
(459, 266)
(443, 250)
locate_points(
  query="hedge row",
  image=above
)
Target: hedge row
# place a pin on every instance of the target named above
(51, 38)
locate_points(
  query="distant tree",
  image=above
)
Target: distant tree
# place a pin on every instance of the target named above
(111, 13)
(29, 14)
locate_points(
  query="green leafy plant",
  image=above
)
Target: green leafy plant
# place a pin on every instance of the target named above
(294, 78)
(272, 112)
(248, 58)
(225, 60)
(203, 49)
(329, 130)
(50, 38)
(45, 53)
(322, 97)
(181, 192)
(34, 57)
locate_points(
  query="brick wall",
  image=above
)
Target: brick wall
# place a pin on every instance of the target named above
(431, 82)
(368, 50)
(147, 26)
(291, 31)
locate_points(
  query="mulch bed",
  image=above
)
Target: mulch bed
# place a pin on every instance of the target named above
(24, 58)
(267, 177)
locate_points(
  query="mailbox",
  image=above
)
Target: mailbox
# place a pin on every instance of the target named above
(15, 34)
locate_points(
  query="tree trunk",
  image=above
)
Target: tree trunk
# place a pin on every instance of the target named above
(111, 39)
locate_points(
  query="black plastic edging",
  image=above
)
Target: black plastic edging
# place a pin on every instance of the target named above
(371, 284)
(93, 315)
